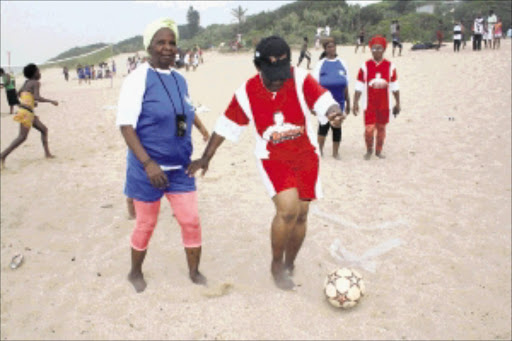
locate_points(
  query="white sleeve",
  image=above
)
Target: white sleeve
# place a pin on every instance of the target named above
(346, 71)
(323, 103)
(316, 71)
(131, 96)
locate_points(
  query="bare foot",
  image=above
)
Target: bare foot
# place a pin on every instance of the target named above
(337, 157)
(2, 163)
(281, 278)
(137, 281)
(380, 155)
(368, 155)
(198, 278)
(49, 156)
(289, 269)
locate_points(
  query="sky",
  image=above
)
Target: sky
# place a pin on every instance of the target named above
(35, 31)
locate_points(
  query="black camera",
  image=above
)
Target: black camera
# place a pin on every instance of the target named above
(181, 125)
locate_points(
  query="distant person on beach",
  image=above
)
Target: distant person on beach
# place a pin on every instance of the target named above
(498, 32)
(155, 117)
(487, 36)
(277, 101)
(439, 35)
(65, 71)
(80, 73)
(327, 31)
(376, 81)
(457, 36)
(478, 31)
(360, 40)
(491, 23)
(332, 73)
(9, 83)
(29, 96)
(304, 53)
(114, 68)
(396, 39)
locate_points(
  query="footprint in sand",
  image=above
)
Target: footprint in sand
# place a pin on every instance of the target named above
(220, 290)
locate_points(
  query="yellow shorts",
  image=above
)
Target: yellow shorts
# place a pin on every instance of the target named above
(25, 117)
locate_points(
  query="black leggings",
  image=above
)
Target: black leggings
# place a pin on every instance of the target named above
(324, 129)
(456, 45)
(477, 42)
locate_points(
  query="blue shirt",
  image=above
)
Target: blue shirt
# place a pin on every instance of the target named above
(333, 75)
(145, 104)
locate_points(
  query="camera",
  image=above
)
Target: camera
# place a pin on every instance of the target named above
(181, 125)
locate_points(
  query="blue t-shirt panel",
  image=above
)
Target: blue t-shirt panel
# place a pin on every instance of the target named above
(156, 126)
(333, 77)
(157, 132)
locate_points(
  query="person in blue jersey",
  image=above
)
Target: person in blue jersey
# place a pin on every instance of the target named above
(332, 73)
(155, 116)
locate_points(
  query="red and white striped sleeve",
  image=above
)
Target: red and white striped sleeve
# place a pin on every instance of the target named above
(361, 79)
(232, 123)
(317, 98)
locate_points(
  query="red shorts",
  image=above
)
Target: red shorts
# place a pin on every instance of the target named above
(301, 173)
(376, 116)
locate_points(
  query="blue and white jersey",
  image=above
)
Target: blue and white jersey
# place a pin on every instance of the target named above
(332, 74)
(145, 104)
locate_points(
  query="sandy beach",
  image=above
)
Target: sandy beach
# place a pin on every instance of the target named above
(429, 227)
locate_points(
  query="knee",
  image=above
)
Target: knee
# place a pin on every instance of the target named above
(22, 137)
(288, 215)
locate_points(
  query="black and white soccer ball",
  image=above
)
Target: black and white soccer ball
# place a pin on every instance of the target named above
(344, 288)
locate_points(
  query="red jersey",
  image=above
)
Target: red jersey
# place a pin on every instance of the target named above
(282, 125)
(376, 81)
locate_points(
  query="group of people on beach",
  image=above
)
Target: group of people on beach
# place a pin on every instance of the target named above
(277, 102)
(155, 116)
(87, 73)
(489, 29)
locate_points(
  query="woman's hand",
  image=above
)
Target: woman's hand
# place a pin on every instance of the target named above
(156, 176)
(195, 165)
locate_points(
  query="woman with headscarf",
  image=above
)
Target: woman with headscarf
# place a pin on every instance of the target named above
(332, 74)
(155, 116)
(376, 80)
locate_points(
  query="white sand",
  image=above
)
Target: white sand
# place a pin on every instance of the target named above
(443, 194)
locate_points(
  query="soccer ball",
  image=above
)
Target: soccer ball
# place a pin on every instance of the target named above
(344, 288)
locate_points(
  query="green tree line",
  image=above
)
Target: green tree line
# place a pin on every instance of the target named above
(301, 18)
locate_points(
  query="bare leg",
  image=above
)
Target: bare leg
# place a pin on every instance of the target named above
(193, 259)
(287, 205)
(297, 237)
(335, 150)
(131, 209)
(11, 110)
(321, 142)
(22, 136)
(44, 136)
(135, 276)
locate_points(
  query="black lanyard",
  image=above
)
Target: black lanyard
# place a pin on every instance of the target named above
(169, 95)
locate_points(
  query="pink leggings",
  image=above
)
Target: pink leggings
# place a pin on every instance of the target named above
(184, 206)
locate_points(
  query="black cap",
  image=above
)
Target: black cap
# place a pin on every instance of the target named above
(273, 69)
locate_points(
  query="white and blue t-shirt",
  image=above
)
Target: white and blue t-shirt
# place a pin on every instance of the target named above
(145, 104)
(332, 74)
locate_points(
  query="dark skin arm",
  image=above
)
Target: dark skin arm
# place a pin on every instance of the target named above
(33, 87)
(355, 109)
(202, 129)
(347, 101)
(155, 174)
(334, 114)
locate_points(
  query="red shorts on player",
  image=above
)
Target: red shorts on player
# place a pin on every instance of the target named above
(376, 116)
(301, 173)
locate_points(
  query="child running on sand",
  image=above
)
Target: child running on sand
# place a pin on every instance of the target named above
(29, 96)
